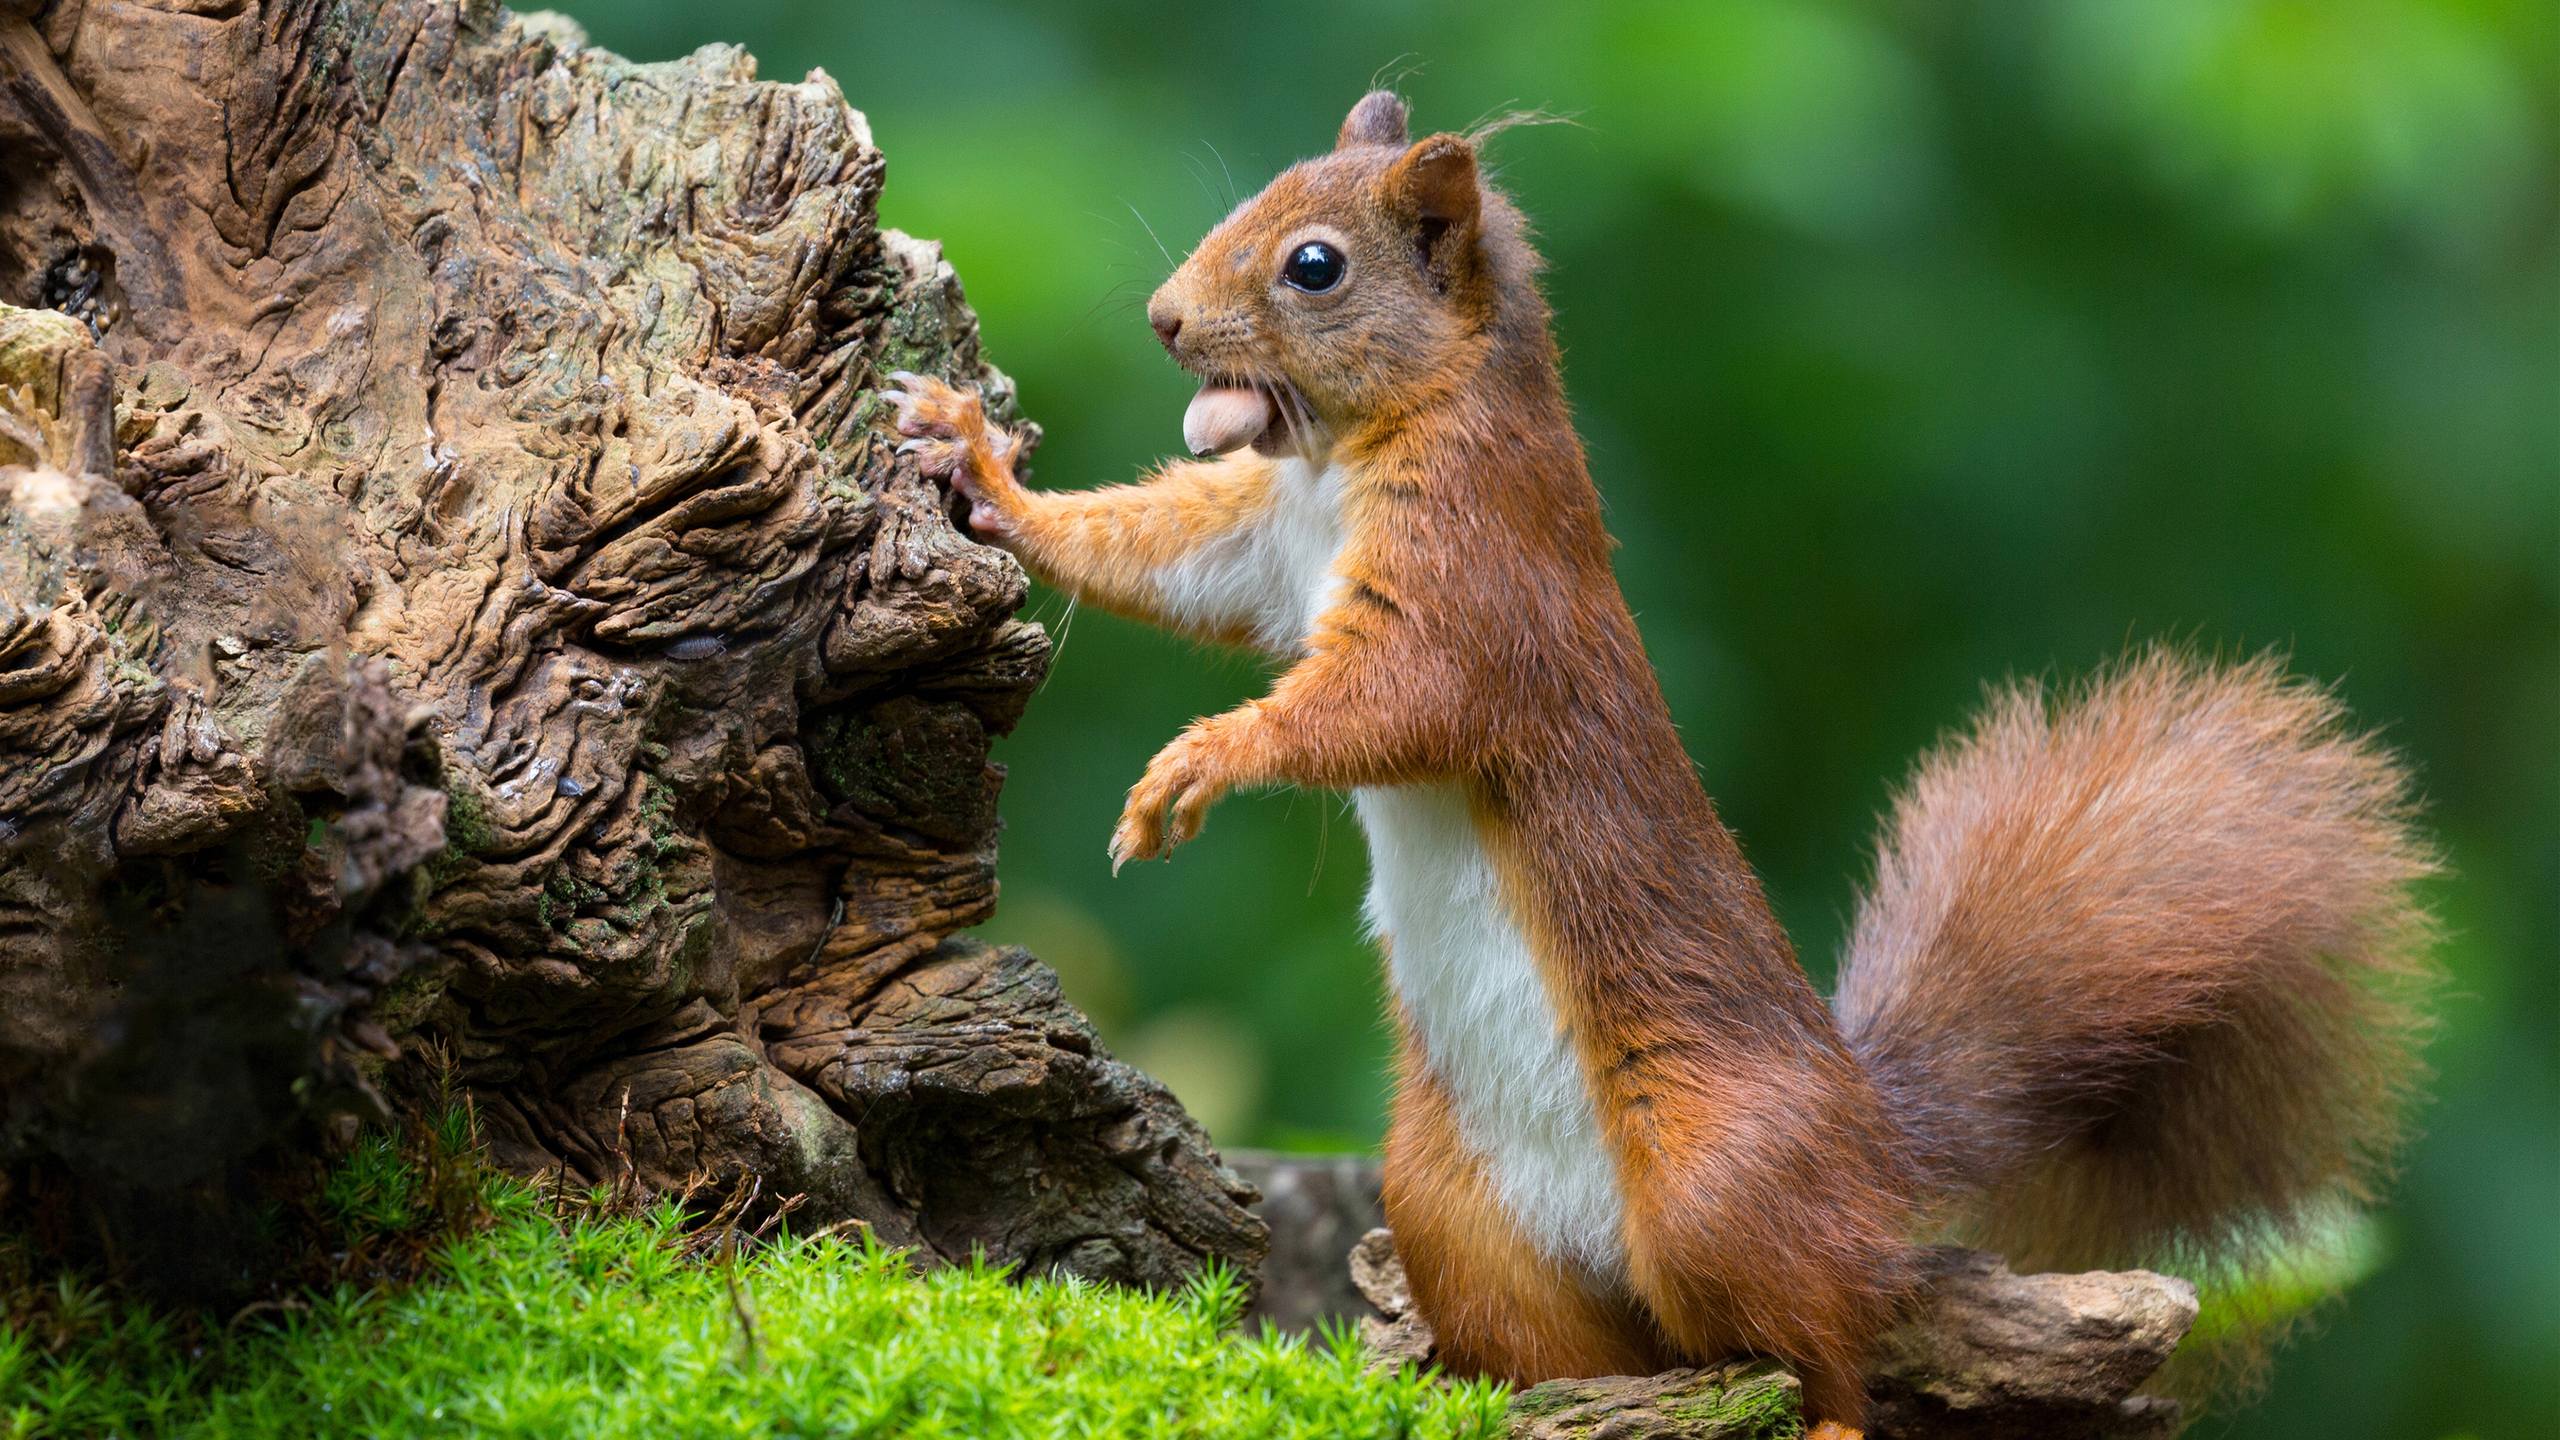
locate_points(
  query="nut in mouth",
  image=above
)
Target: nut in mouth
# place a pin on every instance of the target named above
(1231, 412)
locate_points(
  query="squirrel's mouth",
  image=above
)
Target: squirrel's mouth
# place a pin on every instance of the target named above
(1232, 411)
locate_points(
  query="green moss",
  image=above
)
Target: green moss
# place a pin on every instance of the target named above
(466, 822)
(837, 754)
(572, 892)
(1541, 1401)
(467, 832)
(918, 335)
(403, 1007)
(601, 1326)
(272, 847)
(1741, 1400)
(658, 814)
(1753, 1402)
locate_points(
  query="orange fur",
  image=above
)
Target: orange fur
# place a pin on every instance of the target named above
(2209, 1018)
(1109, 544)
(1497, 1305)
(2137, 944)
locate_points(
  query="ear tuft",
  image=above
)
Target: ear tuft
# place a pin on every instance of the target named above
(1437, 177)
(1378, 119)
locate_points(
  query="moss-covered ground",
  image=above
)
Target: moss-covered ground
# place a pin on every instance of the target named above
(539, 1317)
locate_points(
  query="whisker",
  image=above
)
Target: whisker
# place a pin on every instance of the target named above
(1324, 833)
(1232, 198)
(1058, 647)
(1151, 234)
(1200, 176)
(1119, 237)
(1118, 295)
(1304, 428)
(1123, 297)
(1288, 422)
(1090, 316)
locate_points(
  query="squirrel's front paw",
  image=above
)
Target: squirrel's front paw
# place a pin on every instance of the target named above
(949, 435)
(1169, 802)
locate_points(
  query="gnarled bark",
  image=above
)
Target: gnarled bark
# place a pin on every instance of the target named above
(453, 587)
(1983, 1354)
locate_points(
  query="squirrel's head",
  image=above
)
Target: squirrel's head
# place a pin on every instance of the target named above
(1345, 292)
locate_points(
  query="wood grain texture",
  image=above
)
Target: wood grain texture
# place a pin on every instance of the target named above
(454, 588)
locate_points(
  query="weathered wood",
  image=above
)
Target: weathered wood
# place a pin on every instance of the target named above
(1738, 1400)
(1983, 1355)
(1317, 1207)
(453, 588)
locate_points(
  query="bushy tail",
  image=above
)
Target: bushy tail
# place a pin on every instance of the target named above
(2141, 974)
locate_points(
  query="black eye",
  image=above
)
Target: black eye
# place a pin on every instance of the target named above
(1314, 267)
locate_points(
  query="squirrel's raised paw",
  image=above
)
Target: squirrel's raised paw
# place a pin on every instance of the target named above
(942, 422)
(1169, 802)
(949, 436)
(935, 409)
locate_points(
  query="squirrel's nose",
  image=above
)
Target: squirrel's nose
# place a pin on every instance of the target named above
(1168, 323)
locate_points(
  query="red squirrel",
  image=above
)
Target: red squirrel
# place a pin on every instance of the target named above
(2133, 979)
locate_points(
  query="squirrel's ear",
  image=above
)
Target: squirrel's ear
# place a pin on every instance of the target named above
(1437, 177)
(1377, 120)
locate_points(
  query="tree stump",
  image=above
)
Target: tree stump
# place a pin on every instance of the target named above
(455, 592)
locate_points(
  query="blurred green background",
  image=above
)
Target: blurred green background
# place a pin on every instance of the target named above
(1916, 344)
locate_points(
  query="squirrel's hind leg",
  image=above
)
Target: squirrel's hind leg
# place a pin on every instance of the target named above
(1765, 1215)
(1496, 1305)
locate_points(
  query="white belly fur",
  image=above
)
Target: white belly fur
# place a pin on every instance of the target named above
(1273, 578)
(1488, 1027)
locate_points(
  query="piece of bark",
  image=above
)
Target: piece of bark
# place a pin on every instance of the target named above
(1983, 1355)
(455, 588)
(1737, 1400)
(1317, 1208)
(1990, 1355)
(1395, 1334)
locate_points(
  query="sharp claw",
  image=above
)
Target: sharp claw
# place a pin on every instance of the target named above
(906, 377)
(912, 446)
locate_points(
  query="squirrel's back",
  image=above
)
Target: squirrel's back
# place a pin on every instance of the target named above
(2140, 975)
